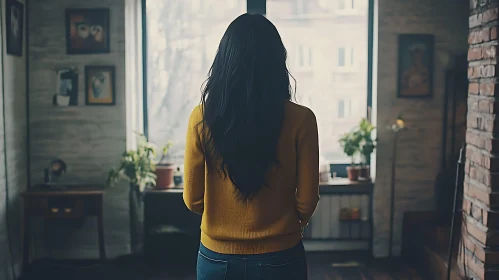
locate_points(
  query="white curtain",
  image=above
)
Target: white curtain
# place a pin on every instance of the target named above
(133, 71)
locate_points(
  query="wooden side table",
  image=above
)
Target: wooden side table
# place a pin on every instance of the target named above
(68, 202)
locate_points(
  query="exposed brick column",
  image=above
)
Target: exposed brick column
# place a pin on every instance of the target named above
(481, 186)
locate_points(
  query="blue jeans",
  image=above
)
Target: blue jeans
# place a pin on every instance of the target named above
(290, 264)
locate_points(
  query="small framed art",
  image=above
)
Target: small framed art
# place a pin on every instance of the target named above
(15, 26)
(100, 85)
(415, 65)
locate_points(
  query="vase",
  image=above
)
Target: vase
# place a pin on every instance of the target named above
(136, 211)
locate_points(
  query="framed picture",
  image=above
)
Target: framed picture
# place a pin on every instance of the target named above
(99, 85)
(15, 25)
(415, 65)
(87, 31)
(67, 88)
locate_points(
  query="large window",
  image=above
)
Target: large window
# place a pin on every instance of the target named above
(182, 38)
(335, 84)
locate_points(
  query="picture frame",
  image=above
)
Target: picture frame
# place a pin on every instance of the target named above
(87, 31)
(67, 87)
(415, 65)
(14, 11)
(100, 85)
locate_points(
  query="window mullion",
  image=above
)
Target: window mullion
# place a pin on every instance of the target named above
(256, 6)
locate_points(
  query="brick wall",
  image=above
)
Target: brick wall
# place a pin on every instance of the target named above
(419, 148)
(481, 186)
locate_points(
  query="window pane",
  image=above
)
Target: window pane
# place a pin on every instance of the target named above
(341, 109)
(351, 56)
(309, 56)
(341, 57)
(182, 39)
(300, 54)
(336, 39)
(341, 4)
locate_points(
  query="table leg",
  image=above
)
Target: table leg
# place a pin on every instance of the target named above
(26, 236)
(102, 247)
(100, 225)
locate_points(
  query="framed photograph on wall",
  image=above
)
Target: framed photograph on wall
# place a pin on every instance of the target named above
(87, 31)
(67, 88)
(100, 85)
(415, 65)
(15, 25)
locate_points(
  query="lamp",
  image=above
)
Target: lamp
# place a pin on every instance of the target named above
(398, 126)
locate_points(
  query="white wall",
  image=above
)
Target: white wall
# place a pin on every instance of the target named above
(13, 147)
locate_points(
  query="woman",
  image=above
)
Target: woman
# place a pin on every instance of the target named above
(251, 160)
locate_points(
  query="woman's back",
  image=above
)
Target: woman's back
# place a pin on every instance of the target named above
(251, 160)
(272, 220)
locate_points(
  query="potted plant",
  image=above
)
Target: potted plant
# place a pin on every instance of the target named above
(164, 170)
(367, 146)
(137, 167)
(350, 142)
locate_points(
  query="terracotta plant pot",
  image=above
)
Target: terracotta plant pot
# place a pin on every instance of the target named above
(364, 173)
(353, 173)
(164, 174)
(355, 214)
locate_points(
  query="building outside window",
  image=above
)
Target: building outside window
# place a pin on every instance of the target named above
(346, 57)
(302, 58)
(344, 108)
(346, 4)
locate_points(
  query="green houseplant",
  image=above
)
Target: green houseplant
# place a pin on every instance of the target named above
(140, 167)
(136, 166)
(367, 146)
(350, 142)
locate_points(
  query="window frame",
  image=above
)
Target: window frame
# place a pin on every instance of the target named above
(257, 6)
(346, 110)
(351, 8)
(349, 61)
(303, 60)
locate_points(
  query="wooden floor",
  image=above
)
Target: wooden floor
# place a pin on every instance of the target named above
(322, 266)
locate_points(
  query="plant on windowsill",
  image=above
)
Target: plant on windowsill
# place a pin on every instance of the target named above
(137, 167)
(350, 142)
(367, 147)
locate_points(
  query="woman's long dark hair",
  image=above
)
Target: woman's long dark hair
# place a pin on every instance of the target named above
(243, 103)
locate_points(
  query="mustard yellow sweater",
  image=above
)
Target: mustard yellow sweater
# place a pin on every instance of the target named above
(273, 220)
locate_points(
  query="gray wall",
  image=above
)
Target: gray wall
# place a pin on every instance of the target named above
(90, 139)
(419, 147)
(13, 148)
